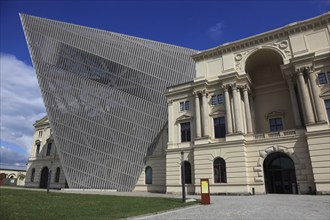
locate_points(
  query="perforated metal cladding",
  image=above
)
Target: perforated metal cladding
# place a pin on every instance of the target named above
(103, 94)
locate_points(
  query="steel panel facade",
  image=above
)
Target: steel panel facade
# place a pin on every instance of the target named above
(103, 93)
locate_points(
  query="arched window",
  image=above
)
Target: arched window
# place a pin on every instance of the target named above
(187, 172)
(57, 175)
(219, 169)
(32, 174)
(148, 173)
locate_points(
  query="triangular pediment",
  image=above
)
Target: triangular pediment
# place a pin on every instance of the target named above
(184, 117)
(42, 121)
(325, 93)
(217, 112)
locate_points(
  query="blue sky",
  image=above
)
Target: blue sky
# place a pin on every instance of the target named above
(194, 24)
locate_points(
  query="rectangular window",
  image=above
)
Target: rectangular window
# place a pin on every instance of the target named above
(181, 106)
(327, 107)
(275, 124)
(185, 132)
(220, 99)
(322, 78)
(216, 99)
(187, 105)
(49, 148)
(184, 106)
(213, 100)
(219, 127)
(38, 149)
(40, 133)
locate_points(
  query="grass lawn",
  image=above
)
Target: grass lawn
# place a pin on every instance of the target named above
(28, 204)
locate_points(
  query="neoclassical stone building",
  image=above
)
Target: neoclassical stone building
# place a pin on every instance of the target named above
(44, 159)
(256, 116)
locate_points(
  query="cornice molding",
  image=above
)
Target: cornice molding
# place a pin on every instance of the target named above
(266, 38)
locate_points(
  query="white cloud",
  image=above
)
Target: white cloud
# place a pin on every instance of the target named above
(21, 102)
(11, 157)
(216, 31)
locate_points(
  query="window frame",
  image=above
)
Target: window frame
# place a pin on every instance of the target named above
(184, 106)
(219, 166)
(187, 172)
(57, 175)
(276, 125)
(217, 99)
(49, 148)
(148, 175)
(33, 172)
(219, 127)
(37, 149)
(323, 78)
(185, 133)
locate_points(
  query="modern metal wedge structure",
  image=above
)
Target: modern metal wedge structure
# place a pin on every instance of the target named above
(103, 94)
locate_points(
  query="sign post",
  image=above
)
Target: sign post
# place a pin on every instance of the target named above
(205, 192)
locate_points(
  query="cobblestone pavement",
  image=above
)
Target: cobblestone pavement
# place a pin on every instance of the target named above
(253, 207)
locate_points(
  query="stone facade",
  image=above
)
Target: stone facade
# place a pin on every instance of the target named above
(12, 176)
(44, 159)
(254, 101)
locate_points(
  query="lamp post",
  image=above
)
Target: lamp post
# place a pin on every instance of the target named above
(183, 178)
(49, 176)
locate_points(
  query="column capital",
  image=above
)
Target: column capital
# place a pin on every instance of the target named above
(196, 93)
(169, 101)
(204, 92)
(304, 70)
(245, 87)
(225, 87)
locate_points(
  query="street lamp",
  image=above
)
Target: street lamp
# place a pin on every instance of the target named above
(183, 179)
(49, 176)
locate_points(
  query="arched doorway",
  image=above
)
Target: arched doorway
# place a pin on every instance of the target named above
(280, 175)
(44, 178)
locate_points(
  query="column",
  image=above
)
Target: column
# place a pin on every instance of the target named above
(228, 111)
(170, 121)
(237, 113)
(247, 110)
(197, 115)
(205, 115)
(318, 105)
(306, 102)
(294, 103)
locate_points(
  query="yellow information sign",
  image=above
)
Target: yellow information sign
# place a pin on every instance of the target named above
(205, 187)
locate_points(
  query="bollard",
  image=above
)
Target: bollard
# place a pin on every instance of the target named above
(253, 192)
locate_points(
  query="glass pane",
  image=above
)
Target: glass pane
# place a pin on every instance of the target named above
(181, 106)
(213, 100)
(322, 78)
(220, 99)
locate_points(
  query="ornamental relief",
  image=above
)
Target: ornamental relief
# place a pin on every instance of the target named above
(283, 46)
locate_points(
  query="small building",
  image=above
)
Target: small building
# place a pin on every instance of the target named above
(44, 160)
(12, 175)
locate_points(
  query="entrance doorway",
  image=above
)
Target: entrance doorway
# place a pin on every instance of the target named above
(280, 175)
(44, 178)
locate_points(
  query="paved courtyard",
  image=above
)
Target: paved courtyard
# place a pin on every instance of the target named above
(253, 207)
